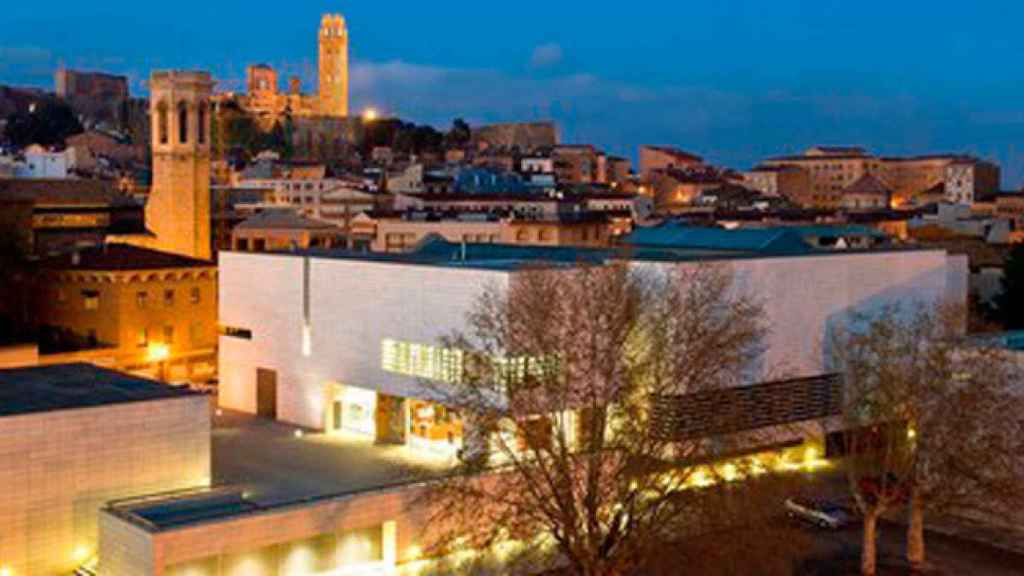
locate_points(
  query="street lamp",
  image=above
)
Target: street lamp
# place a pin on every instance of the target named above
(370, 115)
(158, 354)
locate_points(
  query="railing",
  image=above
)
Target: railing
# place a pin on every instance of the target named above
(747, 408)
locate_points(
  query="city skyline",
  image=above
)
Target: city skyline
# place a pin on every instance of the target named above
(735, 83)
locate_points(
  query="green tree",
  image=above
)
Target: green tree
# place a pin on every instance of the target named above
(459, 135)
(1010, 302)
(47, 123)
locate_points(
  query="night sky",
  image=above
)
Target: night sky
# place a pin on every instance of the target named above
(733, 81)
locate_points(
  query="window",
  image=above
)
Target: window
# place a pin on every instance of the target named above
(182, 123)
(62, 296)
(421, 361)
(196, 295)
(140, 299)
(161, 120)
(168, 334)
(168, 298)
(233, 332)
(91, 299)
(91, 337)
(143, 339)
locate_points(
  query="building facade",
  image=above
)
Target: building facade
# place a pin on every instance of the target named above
(76, 437)
(264, 99)
(178, 207)
(146, 312)
(345, 342)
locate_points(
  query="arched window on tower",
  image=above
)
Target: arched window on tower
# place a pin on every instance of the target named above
(201, 124)
(161, 122)
(182, 123)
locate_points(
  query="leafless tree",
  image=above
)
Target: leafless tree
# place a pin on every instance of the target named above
(564, 364)
(932, 420)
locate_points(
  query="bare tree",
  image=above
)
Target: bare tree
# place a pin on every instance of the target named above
(930, 420)
(564, 366)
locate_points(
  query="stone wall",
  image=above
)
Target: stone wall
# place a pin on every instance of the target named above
(59, 468)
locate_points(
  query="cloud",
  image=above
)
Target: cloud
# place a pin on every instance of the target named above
(546, 55)
(28, 61)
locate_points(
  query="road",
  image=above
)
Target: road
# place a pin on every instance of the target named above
(835, 551)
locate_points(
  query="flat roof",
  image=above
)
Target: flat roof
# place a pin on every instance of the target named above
(657, 245)
(72, 386)
(261, 465)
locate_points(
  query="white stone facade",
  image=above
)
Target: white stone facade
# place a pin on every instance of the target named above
(354, 305)
(59, 468)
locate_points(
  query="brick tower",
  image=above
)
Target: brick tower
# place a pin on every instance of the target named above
(333, 66)
(178, 209)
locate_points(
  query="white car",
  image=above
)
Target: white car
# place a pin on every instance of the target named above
(823, 514)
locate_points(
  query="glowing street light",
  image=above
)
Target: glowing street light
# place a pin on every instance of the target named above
(370, 115)
(158, 352)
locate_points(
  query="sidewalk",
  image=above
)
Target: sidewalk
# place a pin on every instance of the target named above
(1010, 539)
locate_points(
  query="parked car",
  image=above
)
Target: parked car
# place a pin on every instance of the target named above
(821, 513)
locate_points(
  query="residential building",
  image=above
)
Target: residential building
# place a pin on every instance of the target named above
(277, 229)
(575, 164)
(957, 178)
(62, 214)
(135, 309)
(42, 163)
(76, 437)
(406, 232)
(867, 193)
(675, 190)
(791, 182)
(663, 158)
(948, 221)
(832, 170)
(526, 136)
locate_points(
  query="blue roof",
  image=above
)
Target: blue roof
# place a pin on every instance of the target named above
(838, 231)
(750, 240)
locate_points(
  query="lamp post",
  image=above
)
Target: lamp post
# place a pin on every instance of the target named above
(158, 354)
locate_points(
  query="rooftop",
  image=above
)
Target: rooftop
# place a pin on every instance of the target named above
(260, 464)
(282, 219)
(53, 192)
(73, 386)
(121, 257)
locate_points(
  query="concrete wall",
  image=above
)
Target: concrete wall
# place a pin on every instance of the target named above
(354, 305)
(60, 467)
(398, 508)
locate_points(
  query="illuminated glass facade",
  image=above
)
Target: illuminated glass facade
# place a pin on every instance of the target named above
(422, 361)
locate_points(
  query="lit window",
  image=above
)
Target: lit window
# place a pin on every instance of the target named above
(233, 332)
(91, 299)
(140, 299)
(422, 361)
(143, 339)
(168, 334)
(196, 295)
(168, 298)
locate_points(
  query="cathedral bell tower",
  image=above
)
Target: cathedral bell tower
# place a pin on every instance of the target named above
(333, 66)
(178, 209)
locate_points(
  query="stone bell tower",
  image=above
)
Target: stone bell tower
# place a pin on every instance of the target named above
(178, 209)
(333, 66)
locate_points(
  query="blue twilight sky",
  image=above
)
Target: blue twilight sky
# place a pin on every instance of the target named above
(732, 80)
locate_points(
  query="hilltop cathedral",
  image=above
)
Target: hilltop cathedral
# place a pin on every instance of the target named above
(263, 99)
